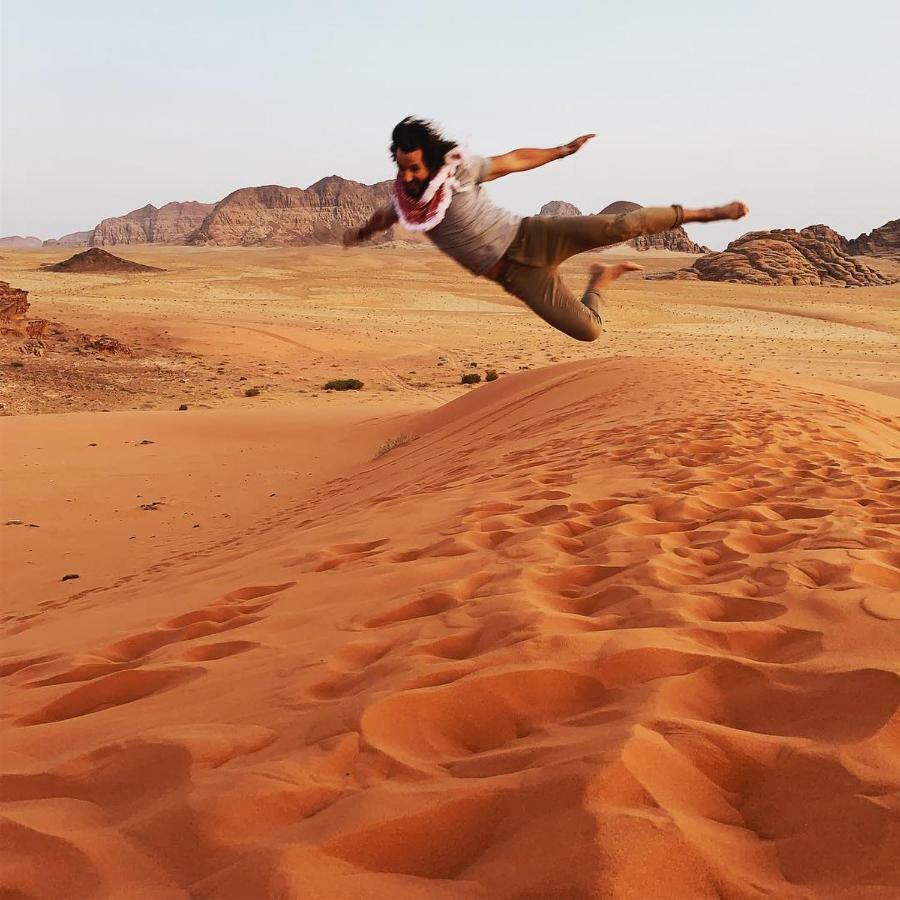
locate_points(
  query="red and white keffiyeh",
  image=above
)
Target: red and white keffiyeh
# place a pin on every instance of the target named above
(424, 213)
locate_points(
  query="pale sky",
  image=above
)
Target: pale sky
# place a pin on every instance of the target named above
(790, 105)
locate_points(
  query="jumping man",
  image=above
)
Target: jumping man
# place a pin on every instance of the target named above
(438, 191)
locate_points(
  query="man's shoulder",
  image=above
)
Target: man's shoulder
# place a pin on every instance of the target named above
(474, 168)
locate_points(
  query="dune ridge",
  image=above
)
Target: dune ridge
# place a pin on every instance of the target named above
(607, 628)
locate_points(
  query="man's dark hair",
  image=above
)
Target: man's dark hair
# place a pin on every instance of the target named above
(417, 134)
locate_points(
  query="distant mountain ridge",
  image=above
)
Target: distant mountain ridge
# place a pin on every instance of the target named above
(272, 214)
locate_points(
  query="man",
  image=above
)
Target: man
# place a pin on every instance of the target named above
(438, 191)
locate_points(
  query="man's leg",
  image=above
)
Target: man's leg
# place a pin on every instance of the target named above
(541, 289)
(601, 277)
(568, 235)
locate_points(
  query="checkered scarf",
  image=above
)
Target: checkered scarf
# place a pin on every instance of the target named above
(424, 213)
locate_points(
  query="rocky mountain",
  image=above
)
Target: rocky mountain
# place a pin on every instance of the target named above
(98, 262)
(170, 224)
(815, 255)
(676, 240)
(559, 208)
(883, 241)
(20, 243)
(283, 215)
(75, 239)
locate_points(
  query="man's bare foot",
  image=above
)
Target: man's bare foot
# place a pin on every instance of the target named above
(734, 210)
(602, 275)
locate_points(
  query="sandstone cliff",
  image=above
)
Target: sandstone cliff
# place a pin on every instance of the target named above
(282, 215)
(883, 241)
(97, 262)
(170, 224)
(13, 303)
(559, 208)
(676, 240)
(815, 256)
(16, 242)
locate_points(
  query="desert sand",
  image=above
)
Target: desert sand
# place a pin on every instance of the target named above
(623, 623)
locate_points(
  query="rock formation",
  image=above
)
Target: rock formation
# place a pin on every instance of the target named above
(13, 303)
(815, 255)
(75, 239)
(559, 208)
(884, 241)
(170, 224)
(282, 215)
(98, 262)
(676, 240)
(21, 243)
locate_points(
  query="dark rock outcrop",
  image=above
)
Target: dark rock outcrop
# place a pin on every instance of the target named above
(98, 262)
(814, 256)
(883, 241)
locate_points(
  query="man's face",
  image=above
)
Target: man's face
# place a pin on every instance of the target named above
(413, 173)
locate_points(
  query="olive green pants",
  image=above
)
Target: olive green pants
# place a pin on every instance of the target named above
(542, 243)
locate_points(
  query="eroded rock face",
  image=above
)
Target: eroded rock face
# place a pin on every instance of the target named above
(883, 241)
(273, 214)
(16, 242)
(676, 240)
(170, 224)
(75, 239)
(559, 208)
(98, 262)
(813, 256)
(13, 303)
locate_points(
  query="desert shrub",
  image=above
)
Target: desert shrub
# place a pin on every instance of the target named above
(399, 441)
(491, 375)
(343, 384)
(471, 378)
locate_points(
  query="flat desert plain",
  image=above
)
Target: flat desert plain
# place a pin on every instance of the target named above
(624, 622)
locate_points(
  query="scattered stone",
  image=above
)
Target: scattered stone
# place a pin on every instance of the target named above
(183, 407)
(14, 522)
(104, 343)
(144, 442)
(156, 504)
(69, 577)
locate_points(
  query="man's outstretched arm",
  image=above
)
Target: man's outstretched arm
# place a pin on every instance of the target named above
(380, 220)
(525, 159)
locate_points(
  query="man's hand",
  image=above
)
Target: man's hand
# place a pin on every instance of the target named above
(576, 145)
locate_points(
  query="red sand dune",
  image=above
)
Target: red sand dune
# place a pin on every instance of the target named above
(605, 629)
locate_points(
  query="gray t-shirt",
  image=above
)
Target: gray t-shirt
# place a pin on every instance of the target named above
(474, 231)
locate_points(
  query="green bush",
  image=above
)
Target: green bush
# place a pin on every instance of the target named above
(491, 375)
(343, 384)
(471, 378)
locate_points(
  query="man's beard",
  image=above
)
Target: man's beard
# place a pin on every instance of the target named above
(415, 189)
